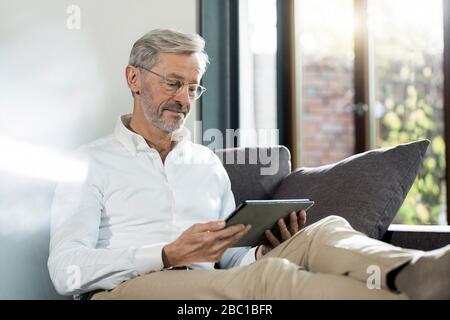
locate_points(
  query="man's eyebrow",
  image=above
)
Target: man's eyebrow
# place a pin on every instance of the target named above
(179, 77)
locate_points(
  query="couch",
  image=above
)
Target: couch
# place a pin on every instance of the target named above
(248, 183)
(24, 275)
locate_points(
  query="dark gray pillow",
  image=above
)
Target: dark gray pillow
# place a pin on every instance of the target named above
(367, 189)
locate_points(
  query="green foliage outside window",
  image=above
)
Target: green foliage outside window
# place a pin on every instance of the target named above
(408, 42)
(410, 91)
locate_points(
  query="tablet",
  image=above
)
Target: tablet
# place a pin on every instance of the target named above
(263, 215)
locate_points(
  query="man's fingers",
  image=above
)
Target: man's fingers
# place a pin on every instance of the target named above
(229, 231)
(272, 239)
(285, 234)
(302, 219)
(209, 226)
(229, 241)
(293, 223)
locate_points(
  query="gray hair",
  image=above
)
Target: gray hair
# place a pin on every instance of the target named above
(145, 50)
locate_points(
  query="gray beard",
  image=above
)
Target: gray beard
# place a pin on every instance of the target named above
(155, 116)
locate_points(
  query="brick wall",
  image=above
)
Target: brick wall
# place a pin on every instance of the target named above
(328, 130)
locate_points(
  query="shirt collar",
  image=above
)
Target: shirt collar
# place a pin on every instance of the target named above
(134, 142)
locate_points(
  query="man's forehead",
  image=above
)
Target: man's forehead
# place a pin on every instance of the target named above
(180, 65)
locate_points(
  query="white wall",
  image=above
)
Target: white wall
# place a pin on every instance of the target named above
(63, 87)
(60, 88)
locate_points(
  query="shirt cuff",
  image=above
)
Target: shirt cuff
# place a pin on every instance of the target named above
(149, 258)
(249, 257)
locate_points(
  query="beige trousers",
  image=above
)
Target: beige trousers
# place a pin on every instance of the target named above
(326, 260)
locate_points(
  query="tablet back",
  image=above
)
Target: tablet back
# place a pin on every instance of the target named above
(263, 215)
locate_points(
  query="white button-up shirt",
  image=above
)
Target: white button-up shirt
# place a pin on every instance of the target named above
(113, 225)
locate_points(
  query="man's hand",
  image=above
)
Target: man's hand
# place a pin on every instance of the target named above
(296, 222)
(202, 242)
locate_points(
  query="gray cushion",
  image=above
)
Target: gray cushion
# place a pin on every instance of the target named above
(367, 189)
(255, 173)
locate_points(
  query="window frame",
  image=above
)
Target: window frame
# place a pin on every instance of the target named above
(446, 6)
(219, 19)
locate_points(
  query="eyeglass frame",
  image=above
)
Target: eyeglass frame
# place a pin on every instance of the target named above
(180, 84)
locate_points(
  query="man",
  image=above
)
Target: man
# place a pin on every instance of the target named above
(147, 223)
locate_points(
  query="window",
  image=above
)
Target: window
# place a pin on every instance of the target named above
(403, 89)
(325, 44)
(257, 70)
(408, 74)
(338, 77)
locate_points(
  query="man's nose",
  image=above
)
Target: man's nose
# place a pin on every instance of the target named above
(182, 97)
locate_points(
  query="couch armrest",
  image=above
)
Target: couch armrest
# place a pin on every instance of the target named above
(417, 237)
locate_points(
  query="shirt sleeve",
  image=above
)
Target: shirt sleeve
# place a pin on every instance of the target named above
(249, 257)
(149, 258)
(75, 264)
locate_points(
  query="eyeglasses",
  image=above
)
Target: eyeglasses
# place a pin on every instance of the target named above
(173, 86)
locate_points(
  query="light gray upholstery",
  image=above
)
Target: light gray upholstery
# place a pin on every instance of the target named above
(247, 179)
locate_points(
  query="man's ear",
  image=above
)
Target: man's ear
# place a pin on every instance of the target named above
(133, 77)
